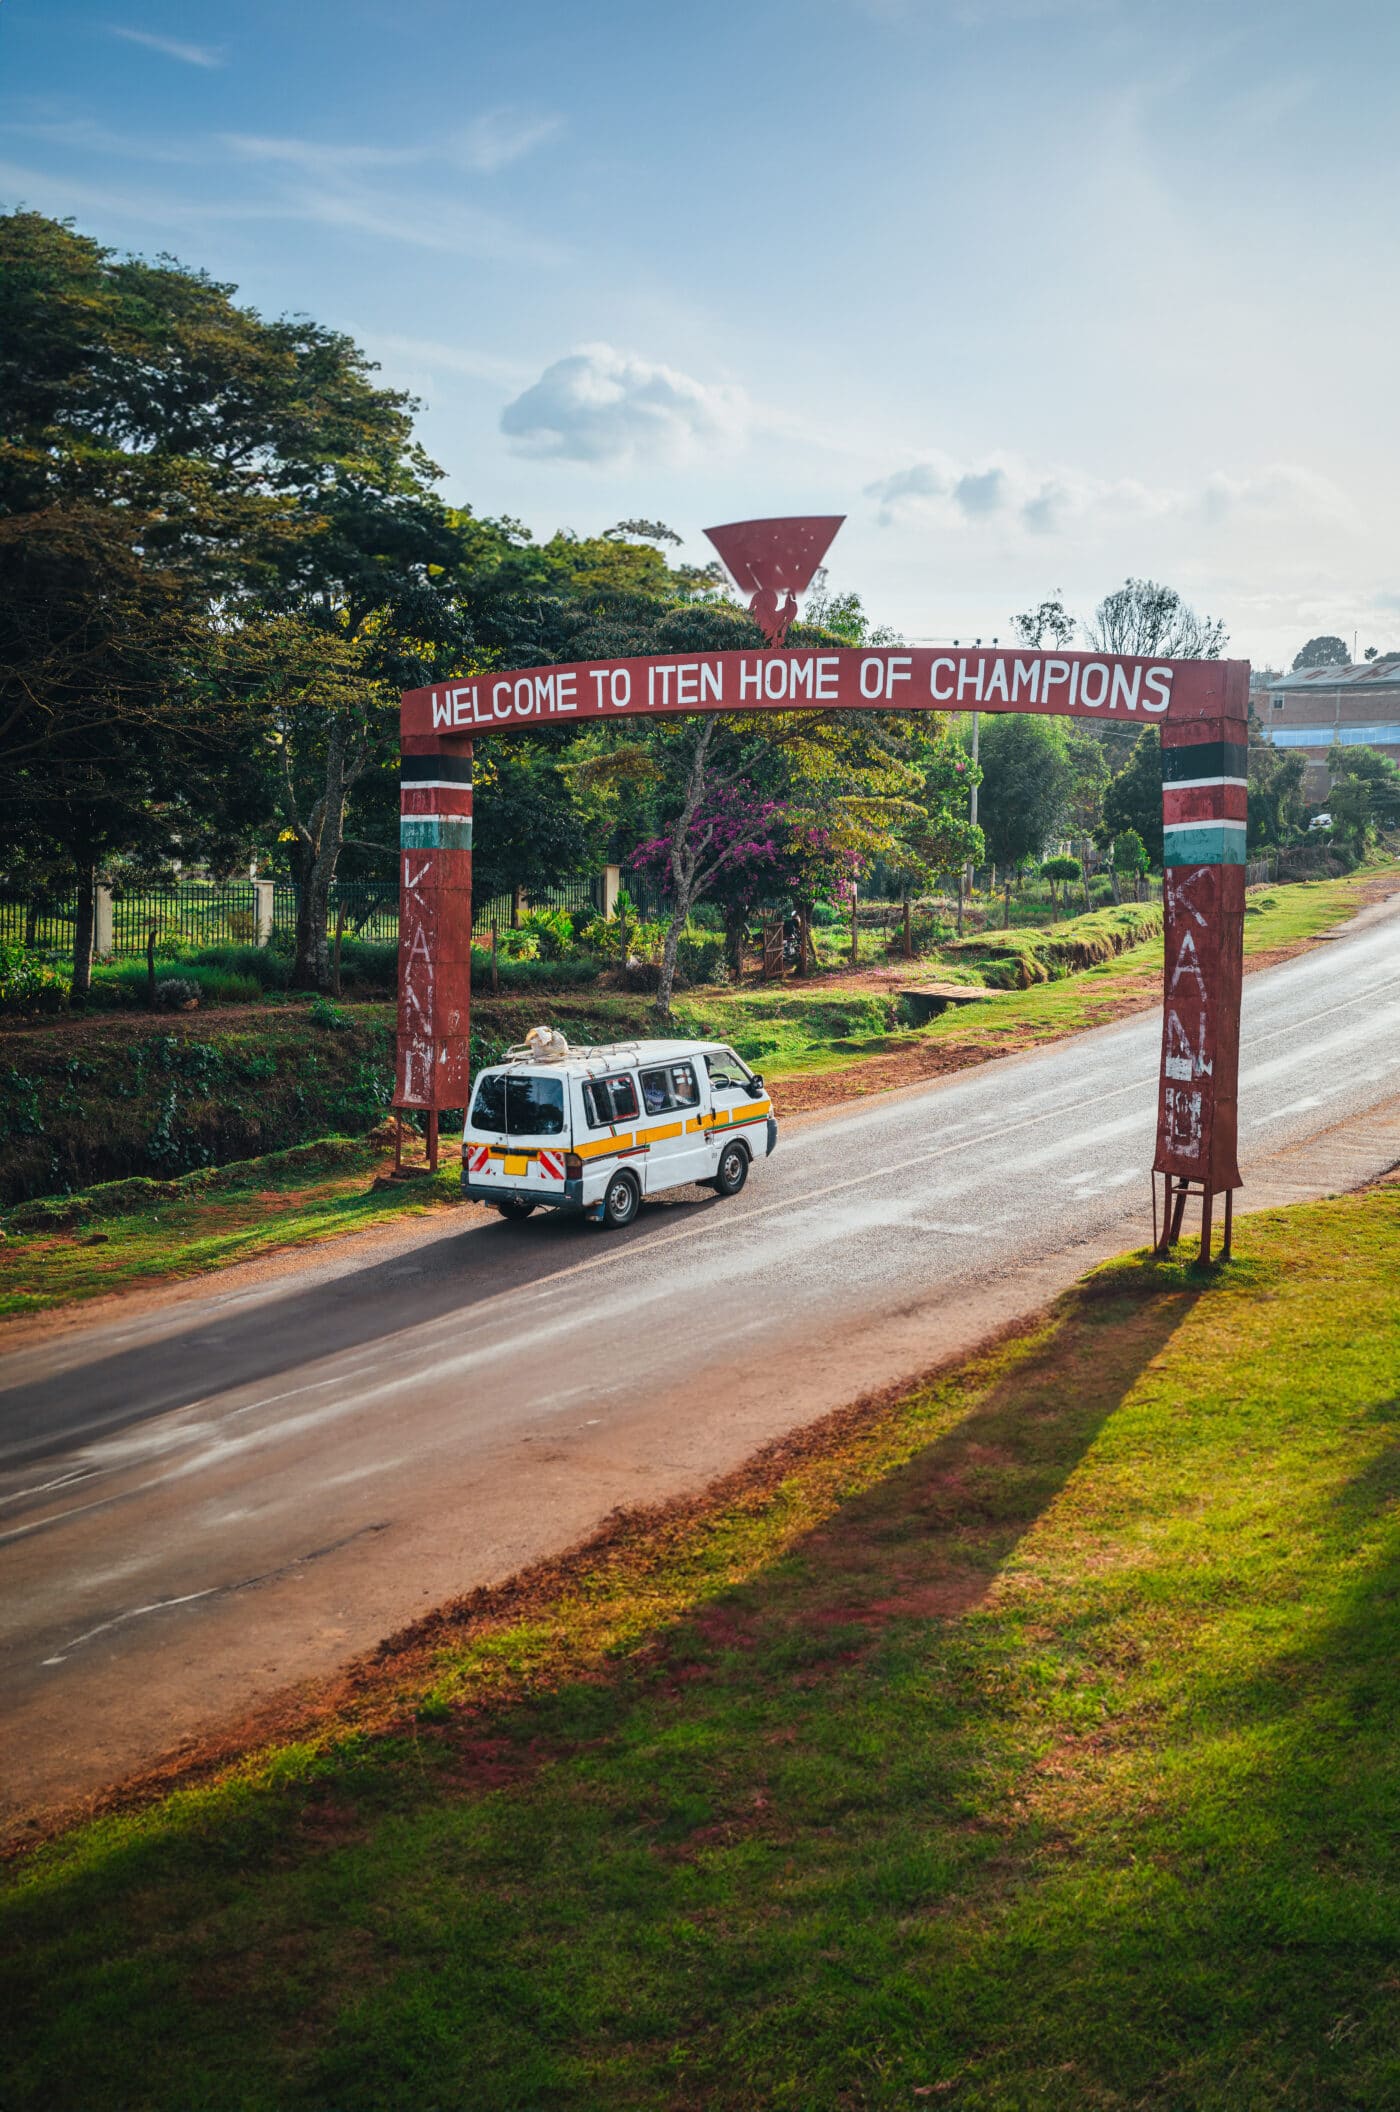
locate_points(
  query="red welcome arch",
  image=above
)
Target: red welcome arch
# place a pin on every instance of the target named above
(1201, 707)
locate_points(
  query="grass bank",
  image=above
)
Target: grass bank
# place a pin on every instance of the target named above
(102, 1099)
(61, 1250)
(1029, 1740)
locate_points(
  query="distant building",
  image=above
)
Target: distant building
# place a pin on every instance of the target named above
(1357, 706)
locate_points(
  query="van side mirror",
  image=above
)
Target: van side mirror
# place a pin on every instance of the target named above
(756, 1081)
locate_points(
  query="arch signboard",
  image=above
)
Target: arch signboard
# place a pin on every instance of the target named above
(1201, 707)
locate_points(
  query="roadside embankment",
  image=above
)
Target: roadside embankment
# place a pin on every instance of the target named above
(110, 1101)
(1083, 1652)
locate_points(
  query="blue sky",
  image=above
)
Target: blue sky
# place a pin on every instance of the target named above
(1039, 293)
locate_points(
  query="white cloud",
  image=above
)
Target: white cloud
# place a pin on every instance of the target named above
(317, 157)
(499, 137)
(1006, 493)
(601, 405)
(491, 142)
(172, 47)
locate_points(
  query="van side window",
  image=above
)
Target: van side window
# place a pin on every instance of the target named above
(727, 1073)
(610, 1100)
(671, 1085)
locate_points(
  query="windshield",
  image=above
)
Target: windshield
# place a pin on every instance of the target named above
(509, 1105)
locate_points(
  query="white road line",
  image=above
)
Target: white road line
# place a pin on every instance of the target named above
(133, 1613)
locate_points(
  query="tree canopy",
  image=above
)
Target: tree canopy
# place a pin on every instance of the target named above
(1143, 616)
(1322, 651)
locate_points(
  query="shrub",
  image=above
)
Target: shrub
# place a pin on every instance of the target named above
(702, 960)
(28, 982)
(267, 966)
(552, 931)
(174, 992)
(324, 1014)
(369, 964)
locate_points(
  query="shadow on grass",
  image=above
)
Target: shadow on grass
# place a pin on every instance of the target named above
(504, 1950)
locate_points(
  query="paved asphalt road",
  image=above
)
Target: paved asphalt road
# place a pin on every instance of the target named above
(209, 1494)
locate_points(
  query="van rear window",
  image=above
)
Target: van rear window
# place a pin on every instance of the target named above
(610, 1100)
(512, 1106)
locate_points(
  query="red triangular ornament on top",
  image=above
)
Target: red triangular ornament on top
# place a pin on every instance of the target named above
(769, 558)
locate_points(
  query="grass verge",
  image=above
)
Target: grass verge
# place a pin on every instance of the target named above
(64, 1249)
(1026, 1741)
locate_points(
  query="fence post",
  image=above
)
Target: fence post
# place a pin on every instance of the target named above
(612, 881)
(262, 912)
(103, 937)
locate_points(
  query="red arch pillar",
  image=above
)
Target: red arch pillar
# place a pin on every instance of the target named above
(432, 1066)
(1204, 813)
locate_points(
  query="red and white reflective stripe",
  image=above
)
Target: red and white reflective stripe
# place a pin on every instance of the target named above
(480, 1158)
(551, 1166)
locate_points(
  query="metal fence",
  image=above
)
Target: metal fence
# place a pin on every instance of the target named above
(194, 913)
(210, 913)
(39, 924)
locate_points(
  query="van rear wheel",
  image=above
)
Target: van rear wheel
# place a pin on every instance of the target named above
(733, 1170)
(622, 1199)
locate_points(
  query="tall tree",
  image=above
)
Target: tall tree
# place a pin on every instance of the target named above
(1143, 616)
(1047, 623)
(1323, 651)
(1026, 784)
(175, 469)
(1134, 798)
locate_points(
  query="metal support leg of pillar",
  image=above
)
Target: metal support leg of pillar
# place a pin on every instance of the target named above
(1178, 1211)
(1207, 1202)
(1229, 1223)
(432, 1140)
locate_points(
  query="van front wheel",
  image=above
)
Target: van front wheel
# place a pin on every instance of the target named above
(733, 1170)
(621, 1201)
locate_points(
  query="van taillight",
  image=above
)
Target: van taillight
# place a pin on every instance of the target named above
(573, 1166)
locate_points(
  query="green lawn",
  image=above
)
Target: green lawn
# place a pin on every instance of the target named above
(107, 1239)
(1031, 1742)
(785, 1029)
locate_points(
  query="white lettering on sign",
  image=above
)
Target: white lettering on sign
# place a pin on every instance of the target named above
(996, 684)
(1159, 681)
(828, 675)
(1127, 682)
(417, 981)
(1183, 1121)
(620, 686)
(1188, 965)
(1181, 1061)
(872, 678)
(1053, 675)
(944, 696)
(750, 678)
(1096, 673)
(972, 680)
(1025, 675)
